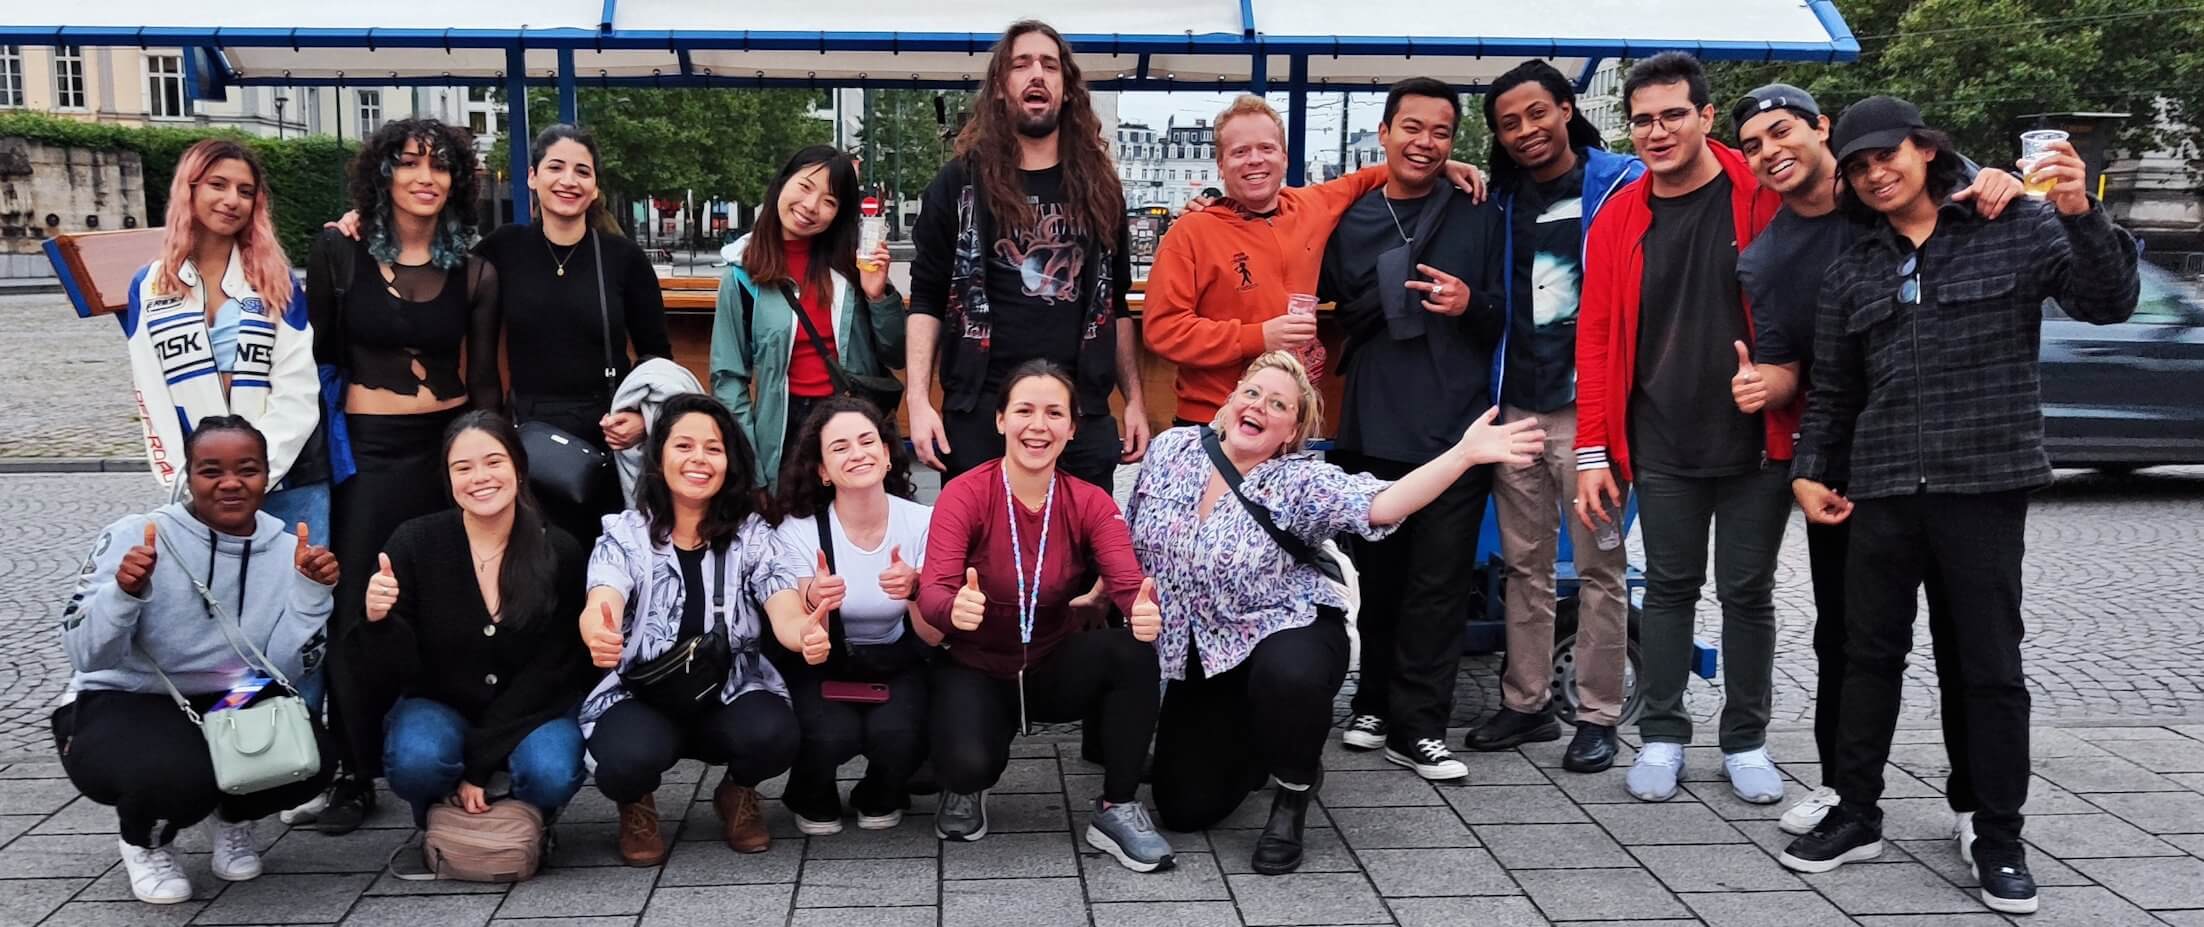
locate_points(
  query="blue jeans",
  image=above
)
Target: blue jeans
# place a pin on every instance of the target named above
(424, 758)
(308, 503)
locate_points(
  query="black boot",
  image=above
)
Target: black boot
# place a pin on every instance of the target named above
(1278, 849)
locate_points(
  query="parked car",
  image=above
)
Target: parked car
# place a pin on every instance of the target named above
(2120, 397)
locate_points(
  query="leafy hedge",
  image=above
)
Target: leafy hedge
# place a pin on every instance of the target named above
(305, 175)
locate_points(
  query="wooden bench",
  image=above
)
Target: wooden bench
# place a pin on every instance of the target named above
(690, 294)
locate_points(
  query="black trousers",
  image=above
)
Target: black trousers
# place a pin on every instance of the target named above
(1415, 602)
(1091, 455)
(1218, 736)
(1103, 674)
(400, 477)
(891, 736)
(754, 736)
(1827, 547)
(1974, 544)
(137, 753)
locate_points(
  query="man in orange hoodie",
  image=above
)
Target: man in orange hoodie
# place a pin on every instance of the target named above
(1216, 295)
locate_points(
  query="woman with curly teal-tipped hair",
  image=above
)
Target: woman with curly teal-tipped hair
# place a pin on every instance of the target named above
(393, 314)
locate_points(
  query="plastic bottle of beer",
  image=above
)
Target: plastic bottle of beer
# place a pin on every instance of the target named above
(872, 229)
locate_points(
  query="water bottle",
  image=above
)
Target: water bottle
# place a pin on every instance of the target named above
(872, 229)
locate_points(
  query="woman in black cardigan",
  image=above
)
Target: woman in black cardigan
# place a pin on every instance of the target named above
(464, 610)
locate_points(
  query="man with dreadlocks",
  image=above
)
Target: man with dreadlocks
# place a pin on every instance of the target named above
(1022, 256)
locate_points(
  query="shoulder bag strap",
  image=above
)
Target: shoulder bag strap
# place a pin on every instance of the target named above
(833, 365)
(220, 615)
(604, 320)
(1294, 547)
(837, 636)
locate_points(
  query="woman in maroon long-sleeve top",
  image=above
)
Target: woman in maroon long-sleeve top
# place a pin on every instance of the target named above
(1011, 544)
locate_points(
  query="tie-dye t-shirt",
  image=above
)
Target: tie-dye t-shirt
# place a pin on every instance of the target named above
(1548, 277)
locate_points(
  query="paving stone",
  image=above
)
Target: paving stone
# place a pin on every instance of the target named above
(1723, 801)
(33, 856)
(416, 911)
(43, 796)
(26, 901)
(613, 921)
(1255, 811)
(1513, 804)
(700, 863)
(1505, 767)
(15, 825)
(1595, 788)
(1042, 812)
(2077, 836)
(1338, 757)
(1760, 909)
(1307, 898)
(1396, 828)
(1599, 894)
(1982, 919)
(2170, 882)
(1010, 856)
(1025, 902)
(715, 905)
(1321, 851)
(1553, 846)
(1030, 775)
(2103, 774)
(1166, 914)
(2194, 782)
(1943, 857)
(2164, 756)
(2193, 844)
(913, 838)
(859, 883)
(927, 916)
(1907, 888)
(294, 899)
(132, 913)
(1434, 872)
(1192, 877)
(2086, 904)
(1514, 911)
(2154, 812)
(2108, 735)
(310, 851)
(1380, 788)
(585, 845)
(115, 885)
(82, 816)
(1726, 868)
(41, 769)
(387, 884)
(2045, 797)
(586, 892)
(1669, 822)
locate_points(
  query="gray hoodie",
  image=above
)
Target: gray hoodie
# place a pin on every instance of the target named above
(110, 633)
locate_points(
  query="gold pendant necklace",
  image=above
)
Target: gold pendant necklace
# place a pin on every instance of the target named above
(555, 259)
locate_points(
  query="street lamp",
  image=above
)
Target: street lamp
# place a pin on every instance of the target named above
(279, 101)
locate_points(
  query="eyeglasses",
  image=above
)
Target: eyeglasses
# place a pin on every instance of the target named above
(1909, 286)
(1670, 120)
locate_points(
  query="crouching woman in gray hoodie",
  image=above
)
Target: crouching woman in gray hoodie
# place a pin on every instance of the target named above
(138, 608)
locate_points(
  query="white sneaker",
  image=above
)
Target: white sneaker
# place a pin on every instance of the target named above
(235, 857)
(1753, 776)
(154, 875)
(1962, 833)
(1364, 732)
(306, 814)
(1653, 776)
(1801, 819)
(887, 821)
(1430, 759)
(811, 828)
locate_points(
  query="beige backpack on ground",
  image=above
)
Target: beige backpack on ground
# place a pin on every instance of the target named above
(503, 844)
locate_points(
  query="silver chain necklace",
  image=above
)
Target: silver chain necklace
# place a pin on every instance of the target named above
(1404, 236)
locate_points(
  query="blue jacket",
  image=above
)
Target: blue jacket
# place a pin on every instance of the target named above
(1604, 173)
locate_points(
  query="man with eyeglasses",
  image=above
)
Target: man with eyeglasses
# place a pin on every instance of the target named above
(1785, 139)
(1661, 310)
(1927, 382)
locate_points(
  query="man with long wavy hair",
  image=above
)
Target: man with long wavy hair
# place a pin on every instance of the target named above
(1022, 256)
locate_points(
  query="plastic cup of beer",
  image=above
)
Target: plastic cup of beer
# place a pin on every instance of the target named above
(2034, 147)
(1301, 304)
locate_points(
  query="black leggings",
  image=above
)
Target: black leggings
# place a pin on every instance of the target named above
(1217, 736)
(754, 736)
(975, 715)
(136, 752)
(890, 735)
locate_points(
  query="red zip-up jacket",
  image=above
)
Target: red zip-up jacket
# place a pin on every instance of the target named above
(1607, 314)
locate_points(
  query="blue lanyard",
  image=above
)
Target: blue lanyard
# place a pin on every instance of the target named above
(1028, 600)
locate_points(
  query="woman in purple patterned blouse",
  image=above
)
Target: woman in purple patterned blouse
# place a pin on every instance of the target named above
(1254, 642)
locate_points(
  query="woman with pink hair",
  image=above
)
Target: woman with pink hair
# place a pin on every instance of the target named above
(217, 326)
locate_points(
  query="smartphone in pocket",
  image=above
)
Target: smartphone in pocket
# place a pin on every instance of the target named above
(861, 693)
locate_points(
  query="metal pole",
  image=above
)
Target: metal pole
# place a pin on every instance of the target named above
(569, 109)
(516, 129)
(1297, 104)
(1345, 103)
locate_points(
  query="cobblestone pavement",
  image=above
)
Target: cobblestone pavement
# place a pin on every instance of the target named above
(66, 391)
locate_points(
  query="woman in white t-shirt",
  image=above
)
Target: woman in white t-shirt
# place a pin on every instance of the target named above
(849, 468)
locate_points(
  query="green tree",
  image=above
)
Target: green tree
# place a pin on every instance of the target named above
(906, 142)
(720, 143)
(1976, 66)
(1473, 139)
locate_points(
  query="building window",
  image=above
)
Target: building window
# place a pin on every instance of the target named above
(69, 77)
(371, 111)
(11, 75)
(164, 87)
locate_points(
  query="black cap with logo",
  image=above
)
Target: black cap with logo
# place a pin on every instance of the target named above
(1874, 124)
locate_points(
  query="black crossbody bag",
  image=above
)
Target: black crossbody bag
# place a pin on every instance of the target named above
(1293, 546)
(690, 674)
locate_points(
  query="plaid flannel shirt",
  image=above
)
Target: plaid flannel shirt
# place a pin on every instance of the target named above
(1944, 395)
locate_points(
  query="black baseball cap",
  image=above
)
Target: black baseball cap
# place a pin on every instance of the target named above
(1774, 96)
(1874, 124)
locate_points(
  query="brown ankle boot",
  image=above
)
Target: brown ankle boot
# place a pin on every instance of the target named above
(640, 842)
(741, 818)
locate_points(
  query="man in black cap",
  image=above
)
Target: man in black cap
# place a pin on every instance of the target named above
(1926, 379)
(1785, 139)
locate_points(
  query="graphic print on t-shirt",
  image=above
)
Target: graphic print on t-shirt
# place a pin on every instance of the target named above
(1047, 257)
(1555, 270)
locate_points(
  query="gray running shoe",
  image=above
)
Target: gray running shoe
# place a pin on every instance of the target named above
(962, 816)
(1125, 832)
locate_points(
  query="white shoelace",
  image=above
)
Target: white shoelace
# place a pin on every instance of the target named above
(159, 863)
(1751, 759)
(1366, 723)
(235, 839)
(1433, 750)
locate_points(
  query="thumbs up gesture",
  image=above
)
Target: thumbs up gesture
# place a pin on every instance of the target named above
(601, 631)
(826, 589)
(971, 604)
(1746, 388)
(135, 573)
(382, 589)
(1146, 619)
(314, 563)
(899, 581)
(816, 643)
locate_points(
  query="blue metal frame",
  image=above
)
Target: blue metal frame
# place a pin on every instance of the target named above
(516, 129)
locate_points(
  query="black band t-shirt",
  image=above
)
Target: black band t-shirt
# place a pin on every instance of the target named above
(1548, 278)
(1036, 286)
(1682, 419)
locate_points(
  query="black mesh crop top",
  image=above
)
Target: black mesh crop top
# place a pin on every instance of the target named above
(410, 330)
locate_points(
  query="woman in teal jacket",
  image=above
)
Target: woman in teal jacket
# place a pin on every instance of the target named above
(765, 366)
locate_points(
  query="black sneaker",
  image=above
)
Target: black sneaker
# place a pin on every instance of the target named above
(1591, 750)
(1843, 836)
(1508, 729)
(1364, 732)
(2007, 885)
(351, 800)
(1429, 757)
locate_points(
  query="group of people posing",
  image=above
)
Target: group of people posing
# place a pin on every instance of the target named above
(1841, 315)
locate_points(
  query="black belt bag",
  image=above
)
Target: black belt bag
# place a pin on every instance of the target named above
(689, 675)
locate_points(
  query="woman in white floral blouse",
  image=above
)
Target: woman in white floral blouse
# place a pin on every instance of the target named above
(1253, 642)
